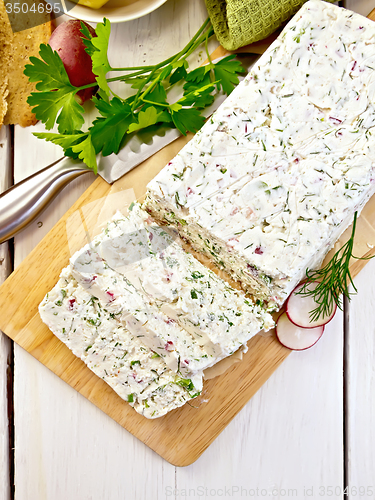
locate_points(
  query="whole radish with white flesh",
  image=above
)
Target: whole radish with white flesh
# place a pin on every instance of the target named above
(294, 337)
(299, 308)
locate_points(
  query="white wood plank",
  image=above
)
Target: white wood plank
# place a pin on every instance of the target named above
(5, 343)
(65, 447)
(361, 383)
(360, 380)
(5, 353)
(288, 438)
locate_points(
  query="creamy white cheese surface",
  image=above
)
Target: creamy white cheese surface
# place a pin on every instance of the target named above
(112, 352)
(274, 177)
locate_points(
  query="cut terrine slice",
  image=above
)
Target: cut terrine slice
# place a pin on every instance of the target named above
(270, 182)
(112, 352)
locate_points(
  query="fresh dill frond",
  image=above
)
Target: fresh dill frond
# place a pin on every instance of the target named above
(332, 281)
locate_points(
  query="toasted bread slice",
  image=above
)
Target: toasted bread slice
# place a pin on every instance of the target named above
(23, 44)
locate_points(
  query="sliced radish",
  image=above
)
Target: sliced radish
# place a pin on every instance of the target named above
(294, 337)
(299, 307)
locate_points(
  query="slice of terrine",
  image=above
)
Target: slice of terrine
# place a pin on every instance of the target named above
(275, 176)
(112, 352)
(174, 304)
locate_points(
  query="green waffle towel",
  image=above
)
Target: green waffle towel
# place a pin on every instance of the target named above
(240, 22)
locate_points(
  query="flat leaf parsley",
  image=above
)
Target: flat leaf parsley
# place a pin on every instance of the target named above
(55, 104)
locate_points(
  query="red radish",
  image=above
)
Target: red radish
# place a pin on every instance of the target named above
(299, 307)
(66, 40)
(295, 338)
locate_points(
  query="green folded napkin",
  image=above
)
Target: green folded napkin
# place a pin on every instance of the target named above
(240, 22)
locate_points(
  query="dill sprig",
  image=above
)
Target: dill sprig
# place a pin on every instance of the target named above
(332, 281)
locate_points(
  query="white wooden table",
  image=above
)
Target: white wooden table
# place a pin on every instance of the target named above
(308, 432)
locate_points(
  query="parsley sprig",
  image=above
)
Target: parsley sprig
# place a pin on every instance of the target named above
(333, 280)
(55, 103)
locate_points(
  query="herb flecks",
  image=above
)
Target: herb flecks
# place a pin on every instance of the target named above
(54, 102)
(333, 280)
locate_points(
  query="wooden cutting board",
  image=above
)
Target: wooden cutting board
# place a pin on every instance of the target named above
(181, 436)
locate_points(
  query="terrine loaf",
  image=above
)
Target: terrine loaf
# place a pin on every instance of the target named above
(271, 181)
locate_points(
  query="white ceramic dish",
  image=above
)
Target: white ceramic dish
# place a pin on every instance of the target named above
(117, 11)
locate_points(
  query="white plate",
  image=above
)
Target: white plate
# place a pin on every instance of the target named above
(117, 11)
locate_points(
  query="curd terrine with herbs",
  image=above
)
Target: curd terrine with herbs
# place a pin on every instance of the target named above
(270, 182)
(179, 308)
(112, 352)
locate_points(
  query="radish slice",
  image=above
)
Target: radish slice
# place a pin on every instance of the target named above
(299, 307)
(296, 338)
